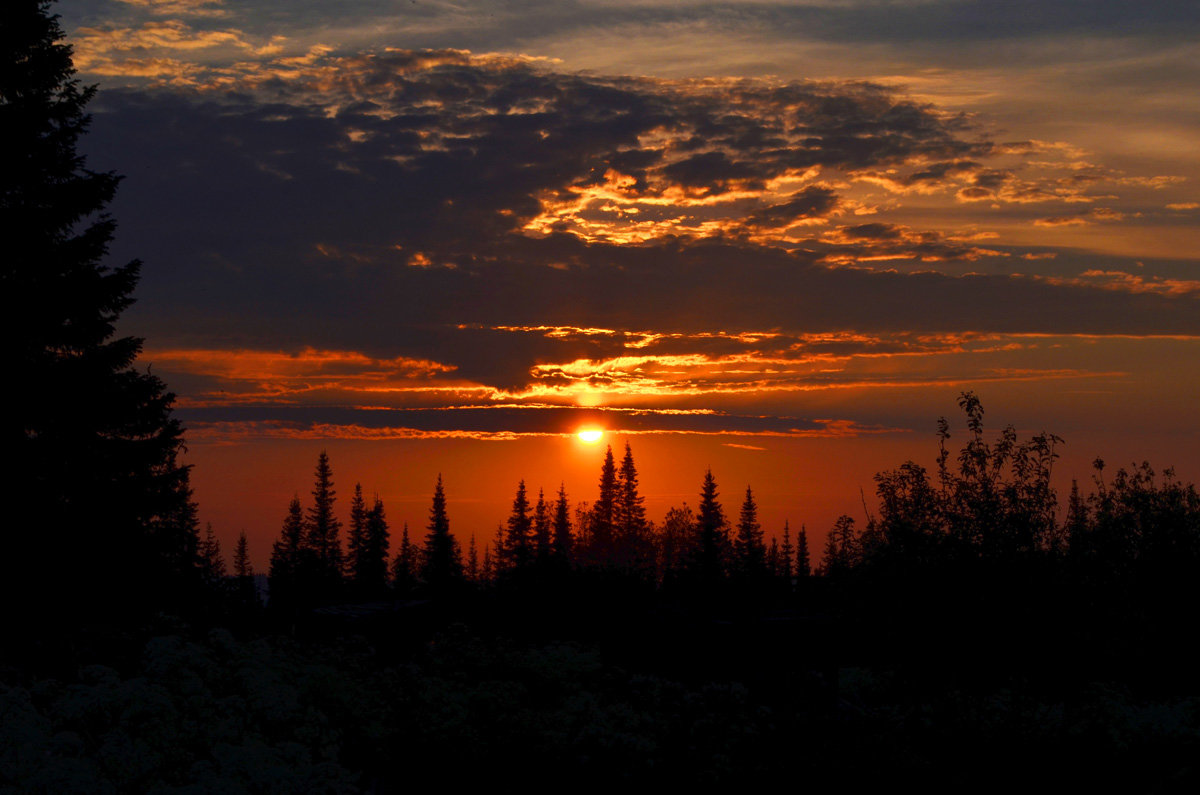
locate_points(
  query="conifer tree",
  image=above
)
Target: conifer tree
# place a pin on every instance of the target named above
(285, 557)
(711, 536)
(441, 561)
(515, 547)
(371, 574)
(774, 559)
(487, 570)
(787, 554)
(323, 545)
(473, 562)
(630, 517)
(749, 551)
(212, 563)
(602, 517)
(356, 533)
(405, 566)
(803, 562)
(245, 592)
(242, 566)
(563, 542)
(93, 441)
(541, 529)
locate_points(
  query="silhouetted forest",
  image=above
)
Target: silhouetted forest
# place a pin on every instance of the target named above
(973, 631)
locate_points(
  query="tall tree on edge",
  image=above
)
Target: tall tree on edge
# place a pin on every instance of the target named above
(95, 440)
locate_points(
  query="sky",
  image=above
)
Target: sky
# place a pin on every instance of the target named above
(772, 239)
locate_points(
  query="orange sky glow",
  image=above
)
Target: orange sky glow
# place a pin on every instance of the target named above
(776, 240)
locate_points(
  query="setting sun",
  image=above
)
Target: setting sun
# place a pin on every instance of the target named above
(590, 435)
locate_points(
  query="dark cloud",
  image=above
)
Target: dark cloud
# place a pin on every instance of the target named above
(811, 202)
(480, 24)
(382, 204)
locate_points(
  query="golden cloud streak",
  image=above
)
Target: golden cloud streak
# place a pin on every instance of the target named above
(792, 364)
(1121, 281)
(235, 432)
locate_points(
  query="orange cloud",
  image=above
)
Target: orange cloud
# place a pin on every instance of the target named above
(1129, 282)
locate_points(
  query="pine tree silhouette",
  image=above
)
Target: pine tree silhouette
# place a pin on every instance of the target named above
(749, 551)
(473, 573)
(96, 445)
(441, 564)
(285, 559)
(631, 530)
(405, 566)
(787, 554)
(712, 541)
(372, 570)
(212, 563)
(244, 591)
(321, 562)
(602, 518)
(515, 550)
(541, 529)
(563, 541)
(356, 539)
(803, 556)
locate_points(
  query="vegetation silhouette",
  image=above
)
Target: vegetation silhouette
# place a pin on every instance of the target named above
(94, 439)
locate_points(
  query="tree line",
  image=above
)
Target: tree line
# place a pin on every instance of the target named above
(986, 522)
(541, 540)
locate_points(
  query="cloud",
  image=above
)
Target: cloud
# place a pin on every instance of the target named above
(419, 229)
(1097, 215)
(1132, 283)
(501, 425)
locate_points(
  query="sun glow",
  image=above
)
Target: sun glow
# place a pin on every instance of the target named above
(590, 435)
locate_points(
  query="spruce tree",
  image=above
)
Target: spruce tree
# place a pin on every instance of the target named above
(371, 570)
(242, 567)
(404, 567)
(515, 547)
(774, 559)
(285, 558)
(355, 537)
(787, 554)
(749, 550)
(95, 445)
(245, 592)
(473, 562)
(322, 561)
(709, 550)
(803, 563)
(487, 570)
(541, 529)
(602, 518)
(441, 561)
(630, 517)
(563, 542)
(212, 563)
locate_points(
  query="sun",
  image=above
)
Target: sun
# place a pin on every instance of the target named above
(590, 435)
